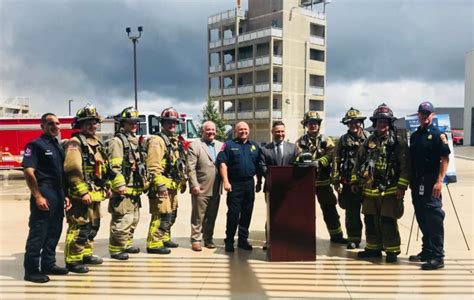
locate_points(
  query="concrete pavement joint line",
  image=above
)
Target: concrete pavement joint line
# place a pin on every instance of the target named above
(206, 279)
(341, 277)
(464, 157)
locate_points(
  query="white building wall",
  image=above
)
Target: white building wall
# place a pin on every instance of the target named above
(469, 98)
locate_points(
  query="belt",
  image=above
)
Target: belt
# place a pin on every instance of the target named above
(51, 185)
(241, 179)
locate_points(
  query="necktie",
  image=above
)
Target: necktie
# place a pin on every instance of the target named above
(212, 150)
(279, 155)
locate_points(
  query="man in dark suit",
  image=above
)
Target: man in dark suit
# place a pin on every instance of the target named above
(276, 153)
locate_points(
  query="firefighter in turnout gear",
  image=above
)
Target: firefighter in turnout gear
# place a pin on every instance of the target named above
(321, 148)
(382, 170)
(341, 171)
(166, 163)
(128, 164)
(86, 171)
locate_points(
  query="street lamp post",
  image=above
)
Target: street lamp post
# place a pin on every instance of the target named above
(134, 41)
(70, 101)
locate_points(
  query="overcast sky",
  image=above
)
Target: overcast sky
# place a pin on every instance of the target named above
(400, 52)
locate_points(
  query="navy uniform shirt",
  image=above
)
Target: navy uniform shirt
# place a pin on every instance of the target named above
(241, 159)
(46, 156)
(427, 145)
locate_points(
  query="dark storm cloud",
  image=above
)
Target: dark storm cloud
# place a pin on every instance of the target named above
(392, 40)
(88, 38)
(52, 50)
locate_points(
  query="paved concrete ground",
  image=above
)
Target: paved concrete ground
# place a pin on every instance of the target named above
(241, 275)
(466, 152)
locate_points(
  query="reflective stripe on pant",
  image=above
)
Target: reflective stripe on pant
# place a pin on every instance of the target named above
(203, 217)
(155, 235)
(430, 217)
(240, 207)
(382, 234)
(84, 223)
(165, 209)
(327, 201)
(45, 231)
(125, 214)
(170, 219)
(352, 204)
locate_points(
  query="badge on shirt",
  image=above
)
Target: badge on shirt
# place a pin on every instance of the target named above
(430, 137)
(28, 151)
(253, 148)
(444, 139)
(72, 147)
(48, 152)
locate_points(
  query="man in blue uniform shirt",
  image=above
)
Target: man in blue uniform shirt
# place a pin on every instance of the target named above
(429, 158)
(238, 163)
(43, 168)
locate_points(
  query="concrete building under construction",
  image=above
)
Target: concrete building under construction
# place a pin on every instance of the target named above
(268, 63)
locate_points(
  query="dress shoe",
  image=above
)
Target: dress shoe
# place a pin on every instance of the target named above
(433, 264)
(54, 270)
(171, 244)
(132, 250)
(196, 246)
(352, 245)
(36, 277)
(77, 268)
(369, 253)
(229, 247)
(245, 245)
(159, 250)
(338, 239)
(391, 258)
(210, 245)
(119, 256)
(92, 260)
(420, 257)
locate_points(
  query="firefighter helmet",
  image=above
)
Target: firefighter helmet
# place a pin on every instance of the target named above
(311, 116)
(383, 112)
(353, 114)
(170, 114)
(129, 114)
(88, 112)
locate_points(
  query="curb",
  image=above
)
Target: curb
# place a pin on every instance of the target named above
(464, 157)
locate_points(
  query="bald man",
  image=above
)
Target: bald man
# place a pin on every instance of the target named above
(238, 164)
(205, 185)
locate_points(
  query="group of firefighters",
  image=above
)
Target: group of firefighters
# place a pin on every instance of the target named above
(368, 171)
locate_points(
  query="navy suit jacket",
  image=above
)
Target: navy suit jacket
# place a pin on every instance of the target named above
(268, 157)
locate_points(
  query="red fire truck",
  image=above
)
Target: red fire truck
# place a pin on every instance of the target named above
(15, 133)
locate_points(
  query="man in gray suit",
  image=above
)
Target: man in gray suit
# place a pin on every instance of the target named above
(276, 153)
(205, 186)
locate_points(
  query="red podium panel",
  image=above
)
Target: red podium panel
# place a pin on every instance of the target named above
(291, 216)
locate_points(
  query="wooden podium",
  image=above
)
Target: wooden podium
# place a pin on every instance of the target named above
(291, 216)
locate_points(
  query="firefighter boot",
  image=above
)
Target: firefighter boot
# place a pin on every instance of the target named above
(367, 253)
(77, 268)
(159, 250)
(92, 260)
(119, 256)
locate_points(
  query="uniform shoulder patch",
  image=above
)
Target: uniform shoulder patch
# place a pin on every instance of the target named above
(444, 139)
(28, 151)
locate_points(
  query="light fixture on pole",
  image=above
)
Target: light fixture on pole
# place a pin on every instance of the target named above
(134, 41)
(70, 101)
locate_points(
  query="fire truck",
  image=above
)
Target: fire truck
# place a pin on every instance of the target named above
(15, 133)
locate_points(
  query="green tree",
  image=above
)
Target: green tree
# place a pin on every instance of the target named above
(210, 113)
